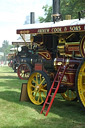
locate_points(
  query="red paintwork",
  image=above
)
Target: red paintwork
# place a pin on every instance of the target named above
(70, 48)
(38, 66)
(69, 77)
(60, 29)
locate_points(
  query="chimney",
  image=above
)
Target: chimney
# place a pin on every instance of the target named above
(56, 10)
(56, 6)
(32, 17)
(32, 21)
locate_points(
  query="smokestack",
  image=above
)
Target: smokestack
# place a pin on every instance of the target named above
(56, 6)
(32, 17)
(56, 10)
(32, 21)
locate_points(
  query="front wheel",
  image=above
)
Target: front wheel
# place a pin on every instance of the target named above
(23, 71)
(37, 87)
(80, 82)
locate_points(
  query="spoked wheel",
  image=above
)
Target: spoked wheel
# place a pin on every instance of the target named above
(37, 87)
(24, 71)
(69, 95)
(80, 82)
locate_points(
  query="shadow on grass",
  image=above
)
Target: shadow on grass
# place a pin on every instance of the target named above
(60, 112)
(66, 115)
(11, 96)
(11, 82)
(63, 108)
(9, 77)
(17, 127)
(7, 72)
(50, 122)
(14, 97)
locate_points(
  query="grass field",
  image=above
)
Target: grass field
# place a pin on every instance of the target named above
(16, 114)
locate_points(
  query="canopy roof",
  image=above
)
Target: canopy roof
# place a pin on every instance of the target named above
(20, 43)
(51, 27)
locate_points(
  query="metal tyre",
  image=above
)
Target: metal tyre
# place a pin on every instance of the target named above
(80, 82)
(37, 87)
(24, 71)
(69, 95)
(82, 46)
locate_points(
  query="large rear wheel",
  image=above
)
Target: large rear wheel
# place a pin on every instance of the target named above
(37, 87)
(80, 82)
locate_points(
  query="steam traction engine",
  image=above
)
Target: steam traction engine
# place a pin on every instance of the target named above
(65, 41)
(22, 62)
(19, 56)
(30, 54)
(10, 58)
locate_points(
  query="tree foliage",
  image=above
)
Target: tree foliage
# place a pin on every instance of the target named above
(5, 48)
(71, 7)
(48, 12)
(67, 7)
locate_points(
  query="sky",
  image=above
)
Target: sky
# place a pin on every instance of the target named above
(13, 14)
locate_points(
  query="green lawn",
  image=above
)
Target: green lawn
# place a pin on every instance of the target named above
(16, 114)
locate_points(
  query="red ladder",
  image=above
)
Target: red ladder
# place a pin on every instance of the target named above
(54, 88)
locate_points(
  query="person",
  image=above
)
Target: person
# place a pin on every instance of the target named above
(2, 63)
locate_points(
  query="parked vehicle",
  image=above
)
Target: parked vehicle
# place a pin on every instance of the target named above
(65, 43)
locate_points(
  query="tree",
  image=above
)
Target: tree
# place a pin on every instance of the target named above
(71, 7)
(67, 7)
(48, 12)
(5, 48)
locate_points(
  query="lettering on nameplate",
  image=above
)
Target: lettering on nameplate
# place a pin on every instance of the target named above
(75, 28)
(43, 31)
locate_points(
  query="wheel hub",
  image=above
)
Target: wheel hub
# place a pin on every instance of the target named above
(22, 71)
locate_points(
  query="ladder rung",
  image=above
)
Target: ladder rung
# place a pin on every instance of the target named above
(56, 81)
(47, 103)
(59, 74)
(63, 67)
(54, 88)
(44, 110)
(50, 95)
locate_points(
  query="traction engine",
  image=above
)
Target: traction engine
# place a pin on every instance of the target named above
(65, 40)
(32, 56)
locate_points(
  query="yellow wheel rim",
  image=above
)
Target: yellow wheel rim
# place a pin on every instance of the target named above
(81, 84)
(69, 95)
(37, 88)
